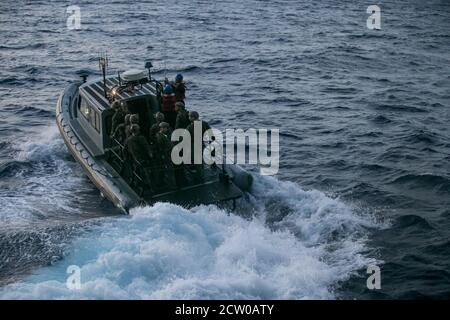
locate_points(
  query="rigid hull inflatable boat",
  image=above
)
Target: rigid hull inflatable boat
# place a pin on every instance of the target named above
(84, 118)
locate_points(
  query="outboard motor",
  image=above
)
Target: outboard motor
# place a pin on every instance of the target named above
(239, 176)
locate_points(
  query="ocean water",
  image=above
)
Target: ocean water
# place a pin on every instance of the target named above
(365, 149)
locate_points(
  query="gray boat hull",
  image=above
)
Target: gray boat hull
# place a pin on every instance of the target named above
(113, 187)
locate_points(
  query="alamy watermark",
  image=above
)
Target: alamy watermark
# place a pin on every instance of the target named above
(374, 280)
(374, 20)
(208, 148)
(73, 281)
(74, 20)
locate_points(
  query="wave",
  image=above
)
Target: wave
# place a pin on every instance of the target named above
(29, 111)
(381, 119)
(4, 145)
(290, 134)
(410, 220)
(187, 68)
(39, 45)
(41, 182)
(222, 60)
(442, 248)
(402, 108)
(295, 244)
(11, 168)
(341, 90)
(12, 81)
(428, 181)
(372, 35)
(423, 136)
(23, 248)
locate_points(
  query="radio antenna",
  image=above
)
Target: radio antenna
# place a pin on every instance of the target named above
(103, 65)
(165, 69)
(164, 60)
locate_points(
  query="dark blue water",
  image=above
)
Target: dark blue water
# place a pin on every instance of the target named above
(364, 118)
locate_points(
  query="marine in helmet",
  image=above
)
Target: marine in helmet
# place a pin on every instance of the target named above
(164, 148)
(182, 121)
(140, 151)
(134, 119)
(159, 117)
(120, 110)
(120, 133)
(194, 117)
(137, 145)
(163, 141)
(179, 88)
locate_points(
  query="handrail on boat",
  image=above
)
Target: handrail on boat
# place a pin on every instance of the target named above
(139, 170)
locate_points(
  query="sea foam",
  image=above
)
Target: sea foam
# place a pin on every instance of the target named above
(296, 244)
(46, 183)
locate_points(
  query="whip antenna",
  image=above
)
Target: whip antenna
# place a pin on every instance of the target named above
(103, 65)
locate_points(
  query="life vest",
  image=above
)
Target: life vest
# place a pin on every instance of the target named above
(168, 102)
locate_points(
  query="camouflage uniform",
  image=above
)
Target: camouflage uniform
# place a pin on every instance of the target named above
(165, 165)
(119, 133)
(154, 131)
(182, 121)
(117, 119)
(198, 168)
(140, 151)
